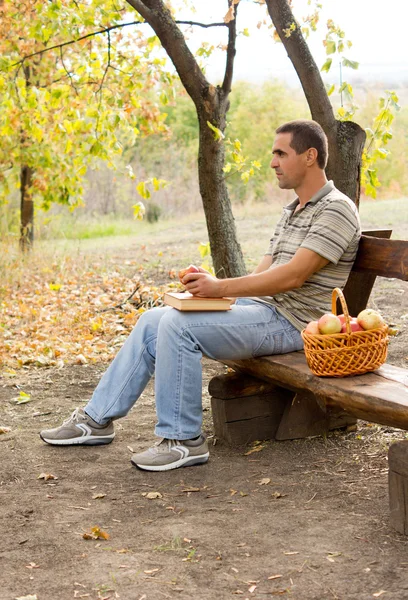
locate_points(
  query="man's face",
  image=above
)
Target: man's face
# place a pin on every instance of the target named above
(290, 168)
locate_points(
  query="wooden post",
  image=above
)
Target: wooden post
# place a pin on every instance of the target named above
(398, 485)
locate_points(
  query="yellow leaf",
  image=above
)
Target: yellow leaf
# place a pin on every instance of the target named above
(46, 476)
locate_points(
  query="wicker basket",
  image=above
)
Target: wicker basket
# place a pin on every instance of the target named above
(342, 354)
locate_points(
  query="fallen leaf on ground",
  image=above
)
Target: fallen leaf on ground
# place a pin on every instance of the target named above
(97, 496)
(30, 597)
(22, 398)
(32, 566)
(5, 430)
(265, 481)
(47, 476)
(152, 495)
(278, 495)
(252, 589)
(192, 489)
(290, 553)
(96, 533)
(256, 447)
(380, 593)
(274, 576)
(151, 571)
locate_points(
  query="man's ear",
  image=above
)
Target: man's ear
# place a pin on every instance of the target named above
(311, 156)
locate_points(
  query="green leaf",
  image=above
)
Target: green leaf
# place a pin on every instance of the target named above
(204, 249)
(330, 47)
(218, 135)
(350, 63)
(143, 191)
(139, 210)
(331, 90)
(327, 65)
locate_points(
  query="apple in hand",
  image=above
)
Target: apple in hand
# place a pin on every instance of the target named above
(312, 328)
(329, 323)
(370, 319)
(189, 269)
(354, 326)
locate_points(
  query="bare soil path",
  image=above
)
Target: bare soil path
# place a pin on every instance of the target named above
(303, 520)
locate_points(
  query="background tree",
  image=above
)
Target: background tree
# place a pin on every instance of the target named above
(65, 106)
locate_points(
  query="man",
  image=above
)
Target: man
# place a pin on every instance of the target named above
(312, 251)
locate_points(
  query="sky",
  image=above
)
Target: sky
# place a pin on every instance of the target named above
(376, 29)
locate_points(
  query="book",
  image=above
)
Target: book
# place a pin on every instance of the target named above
(186, 301)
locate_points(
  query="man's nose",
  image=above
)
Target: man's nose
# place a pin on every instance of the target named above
(274, 162)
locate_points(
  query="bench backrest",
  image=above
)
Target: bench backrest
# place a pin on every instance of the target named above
(377, 256)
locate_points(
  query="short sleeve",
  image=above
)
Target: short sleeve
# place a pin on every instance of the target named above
(333, 230)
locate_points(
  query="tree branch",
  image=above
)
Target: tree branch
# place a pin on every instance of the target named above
(159, 17)
(202, 24)
(303, 62)
(70, 42)
(231, 51)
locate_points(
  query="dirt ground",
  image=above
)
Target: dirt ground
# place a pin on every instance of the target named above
(303, 520)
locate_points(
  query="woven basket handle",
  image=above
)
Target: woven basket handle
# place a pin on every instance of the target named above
(337, 293)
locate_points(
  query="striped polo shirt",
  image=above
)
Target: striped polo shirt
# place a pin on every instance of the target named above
(329, 225)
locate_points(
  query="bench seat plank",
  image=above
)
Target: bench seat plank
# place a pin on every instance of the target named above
(380, 396)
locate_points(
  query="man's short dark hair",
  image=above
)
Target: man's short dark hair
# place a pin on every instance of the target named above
(307, 134)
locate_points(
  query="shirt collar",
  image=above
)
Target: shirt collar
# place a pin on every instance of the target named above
(328, 187)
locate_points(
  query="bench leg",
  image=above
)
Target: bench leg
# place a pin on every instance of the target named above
(246, 409)
(398, 485)
(308, 415)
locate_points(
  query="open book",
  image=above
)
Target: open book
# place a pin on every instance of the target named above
(186, 301)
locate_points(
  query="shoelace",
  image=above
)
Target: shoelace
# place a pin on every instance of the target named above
(76, 416)
(165, 445)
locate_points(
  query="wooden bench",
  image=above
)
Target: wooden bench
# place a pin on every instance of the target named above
(277, 397)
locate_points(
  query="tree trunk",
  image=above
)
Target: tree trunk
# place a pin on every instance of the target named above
(346, 139)
(225, 249)
(346, 145)
(26, 210)
(212, 105)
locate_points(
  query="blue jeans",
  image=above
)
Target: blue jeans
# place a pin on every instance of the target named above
(169, 344)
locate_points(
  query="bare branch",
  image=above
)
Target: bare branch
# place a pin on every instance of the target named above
(67, 72)
(202, 24)
(70, 42)
(231, 51)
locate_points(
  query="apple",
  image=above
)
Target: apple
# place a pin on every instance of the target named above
(312, 328)
(354, 326)
(342, 319)
(370, 319)
(329, 323)
(190, 269)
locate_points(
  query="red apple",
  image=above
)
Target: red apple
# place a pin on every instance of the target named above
(312, 328)
(342, 319)
(329, 323)
(354, 326)
(189, 269)
(370, 319)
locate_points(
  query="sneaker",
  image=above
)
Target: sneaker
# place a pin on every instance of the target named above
(171, 454)
(79, 428)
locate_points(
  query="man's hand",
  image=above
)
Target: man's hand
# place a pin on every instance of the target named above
(203, 284)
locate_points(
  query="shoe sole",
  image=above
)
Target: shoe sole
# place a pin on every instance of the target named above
(183, 462)
(85, 440)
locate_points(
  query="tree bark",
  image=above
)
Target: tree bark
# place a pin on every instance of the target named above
(26, 209)
(211, 105)
(346, 139)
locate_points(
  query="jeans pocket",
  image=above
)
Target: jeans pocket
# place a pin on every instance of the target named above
(272, 343)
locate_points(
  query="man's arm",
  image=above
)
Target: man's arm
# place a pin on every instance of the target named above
(266, 282)
(264, 264)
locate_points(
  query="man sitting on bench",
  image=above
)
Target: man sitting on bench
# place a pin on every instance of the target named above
(311, 252)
